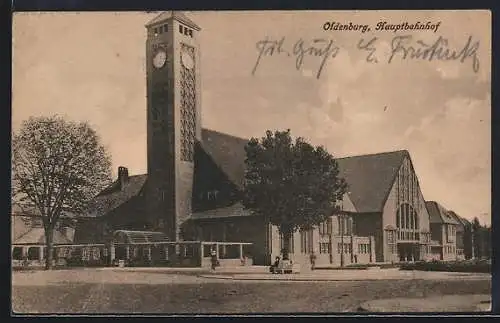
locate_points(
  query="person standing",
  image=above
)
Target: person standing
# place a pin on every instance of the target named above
(312, 258)
(213, 258)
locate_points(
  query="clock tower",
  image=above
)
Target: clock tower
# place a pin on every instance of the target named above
(173, 119)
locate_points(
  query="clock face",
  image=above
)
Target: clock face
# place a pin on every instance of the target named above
(160, 58)
(187, 60)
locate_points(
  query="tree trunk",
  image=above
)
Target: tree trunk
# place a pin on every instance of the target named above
(286, 244)
(49, 234)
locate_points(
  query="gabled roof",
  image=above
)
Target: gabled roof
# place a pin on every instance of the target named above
(18, 209)
(37, 236)
(462, 223)
(179, 16)
(114, 195)
(228, 153)
(235, 210)
(370, 178)
(26, 210)
(438, 214)
(19, 226)
(127, 236)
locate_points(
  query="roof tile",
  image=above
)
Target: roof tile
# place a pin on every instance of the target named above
(438, 214)
(370, 178)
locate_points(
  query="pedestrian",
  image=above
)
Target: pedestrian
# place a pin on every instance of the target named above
(312, 258)
(273, 267)
(213, 259)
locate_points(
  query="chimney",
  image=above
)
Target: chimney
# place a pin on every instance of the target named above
(122, 176)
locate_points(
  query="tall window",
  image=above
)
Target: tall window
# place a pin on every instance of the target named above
(325, 227)
(325, 247)
(407, 217)
(291, 246)
(306, 241)
(345, 224)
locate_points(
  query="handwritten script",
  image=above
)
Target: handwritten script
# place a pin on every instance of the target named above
(406, 47)
(323, 49)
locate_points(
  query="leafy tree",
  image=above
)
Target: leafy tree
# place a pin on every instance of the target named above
(291, 183)
(57, 166)
(486, 235)
(476, 236)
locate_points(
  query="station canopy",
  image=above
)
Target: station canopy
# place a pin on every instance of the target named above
(134, 237)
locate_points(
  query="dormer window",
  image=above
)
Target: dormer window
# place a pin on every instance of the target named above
(185, 31)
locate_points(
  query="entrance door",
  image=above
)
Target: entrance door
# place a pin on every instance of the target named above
(408, 252)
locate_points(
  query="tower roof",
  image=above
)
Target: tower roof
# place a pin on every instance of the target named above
(179, 16)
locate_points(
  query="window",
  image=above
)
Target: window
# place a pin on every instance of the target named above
(156, 31)
(339, 247)
(190, 33)
(325, 227)
(186, 31)
(181, 29)
(347, 248)
(449, 233)
(165, 28)
(345, 225)
(324, 247)
(33, 253)
(306, 241)
(17, 253)
(390, 236)
(188, 251)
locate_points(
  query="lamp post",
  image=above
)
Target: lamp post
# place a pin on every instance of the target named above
(342, 220)
(342, 240)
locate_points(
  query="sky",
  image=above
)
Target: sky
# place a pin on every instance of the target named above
(91, 67)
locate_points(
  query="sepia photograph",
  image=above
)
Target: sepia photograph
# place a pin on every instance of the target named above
(251, 162)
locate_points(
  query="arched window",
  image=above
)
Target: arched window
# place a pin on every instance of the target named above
(406, 217)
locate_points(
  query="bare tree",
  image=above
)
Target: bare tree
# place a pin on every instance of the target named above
(57, 167)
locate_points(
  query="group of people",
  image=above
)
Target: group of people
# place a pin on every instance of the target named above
(312, 258)
(277, 261)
